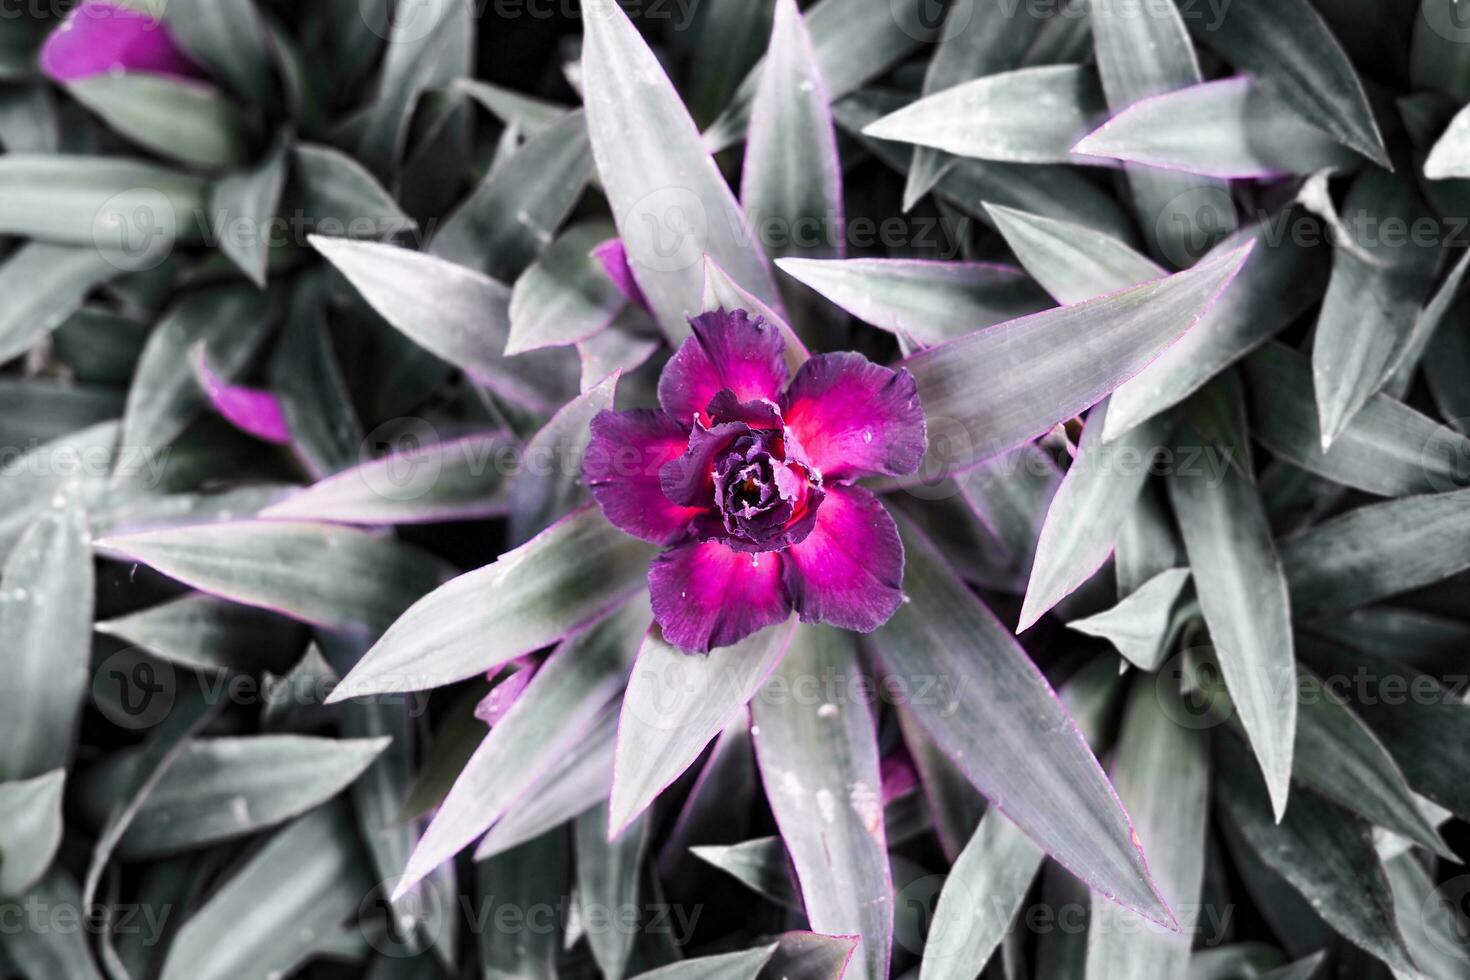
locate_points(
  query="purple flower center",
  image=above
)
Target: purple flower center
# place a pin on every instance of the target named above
(758, 492)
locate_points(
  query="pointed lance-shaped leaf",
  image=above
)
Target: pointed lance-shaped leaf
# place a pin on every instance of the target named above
(671, 204)
(564, 579)
(1003, 726)
(676, 704)
(980, 404)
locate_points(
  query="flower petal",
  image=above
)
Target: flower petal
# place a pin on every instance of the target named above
(729, 349)
(689, 480)
(849, 570)
(854, 418)
(104, 37)
(708, 595)
(621, 467)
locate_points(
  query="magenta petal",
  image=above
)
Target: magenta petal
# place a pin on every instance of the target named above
(502, 696)
(856, 418)
(848, 571)
(102, 37)
(728, 350)
(708, 595)
(621, 467)
(614, 259)
(250, 410)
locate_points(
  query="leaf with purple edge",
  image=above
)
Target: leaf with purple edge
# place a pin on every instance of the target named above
(1230, 129)
(819, 764)
(1004, 727)
(564, 703)
(991, 39)
(744, 965)
(324, 575)
(978, 406)
(461, 315)
(669, 200)
(676, 703)
(1071, 262)
(854, 41)
(1086, 515)
(561, 581)
(921, 302)
(1030, 115)
(1288, 45)
(254, 411)
(1141, 52)
(723, 293)
(810, 956)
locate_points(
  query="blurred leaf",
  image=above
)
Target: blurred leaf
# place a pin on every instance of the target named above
(563, 704)
(220, 788)
(607, 883)
(165, 397)
(177, 118)
(1290, 48)
(306, 377)
(453, 480)
(510, 218)
(242, 206)
(459, 314)
(228, 38)
(565, 578)
(271, 914)
(1230, 129)
(1143, 52)
(208, 634)
(1426, 917)
(337, 193)
(335, 577)
(676, 704)
(668, 198)
(428, 46)
(41, 950)
(534, 875)
(30, 829)
(745, 965)
(99, 202)
(819, 764)
(922, 303)
(810, 956)
(997, 117)
(530, 114)
(986, 410)
(988, 717)
(46, 596)
(45, 284)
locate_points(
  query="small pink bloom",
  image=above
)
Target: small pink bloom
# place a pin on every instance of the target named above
(748, 481)
(101, 37)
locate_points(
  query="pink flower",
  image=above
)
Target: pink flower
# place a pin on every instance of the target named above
(105, 37)
(751, 487)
